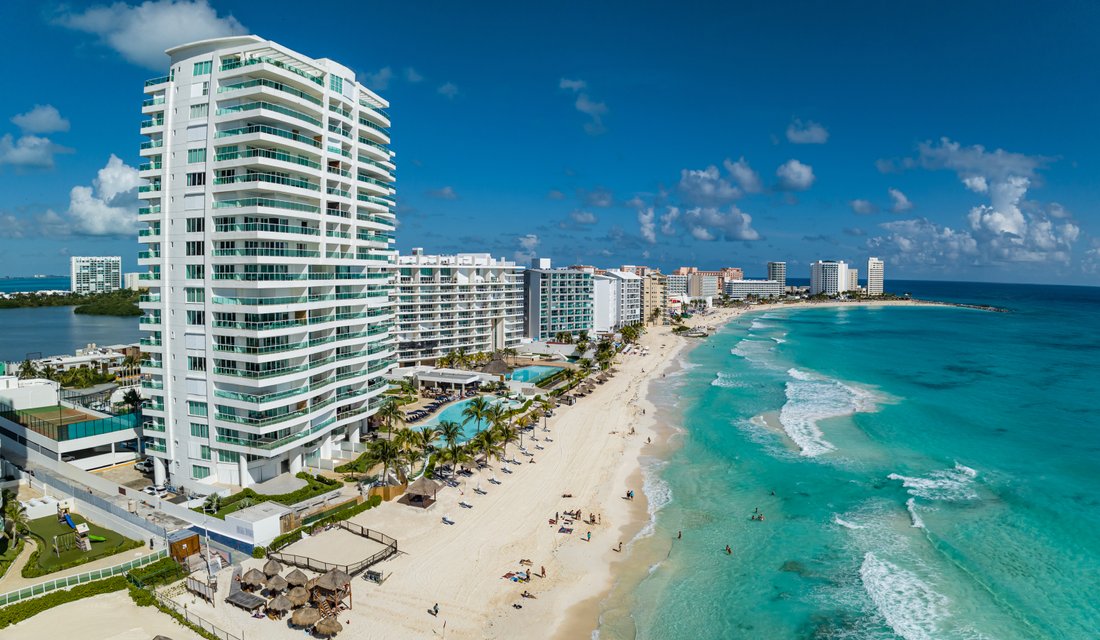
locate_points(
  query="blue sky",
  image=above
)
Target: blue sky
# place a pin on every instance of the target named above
(958, 142)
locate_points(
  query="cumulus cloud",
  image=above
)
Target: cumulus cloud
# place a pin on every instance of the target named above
(43, 118)
(443, 193)
(710, 223)
(528, 247)
(706, 187)
(448, 89)
(379, 80)
(586, 105)
(583, 217)
(109, 206)
(142, 32)
(29, 152)
(599, 197)
(922, 242)
(412, 75)
(808, 132)
(900, 203)
(862, 207)
(647, 224)
(668, 220)
(743, 174)
(795, 176)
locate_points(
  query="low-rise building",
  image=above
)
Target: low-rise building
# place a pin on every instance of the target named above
(741, 289)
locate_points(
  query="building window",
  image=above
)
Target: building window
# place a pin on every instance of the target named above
(196, 408)
(228, 456)
(200, 110)
(200, 430)
(196, 225)
(196, 179)
(204, 452)
(196, 317)
(194, 294)
(336, 83)
(195, 248)
(198, 472)
(202, 68)
(196, 364)
(196, 271)
(196, 155)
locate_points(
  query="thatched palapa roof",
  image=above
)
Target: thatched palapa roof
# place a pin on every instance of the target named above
(334, 580)
(496, 367)
(272, 567)
(296, 578)
(280, 603)
(305, 617)
(254, 578)
(277, 583)
(328, 627)
(423, 487)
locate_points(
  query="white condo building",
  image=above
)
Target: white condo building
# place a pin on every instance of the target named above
(829, 277)
(853, 280)
(876, 271)
(741, 289)
(95, 274)
(468, 301)
(557, 300)
(677, 285)
(269, 212)
(617, 300)
(777, 271)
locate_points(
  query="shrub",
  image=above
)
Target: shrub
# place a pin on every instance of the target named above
(163, 571)
(315, 486)
(259, 552)
(20, 611)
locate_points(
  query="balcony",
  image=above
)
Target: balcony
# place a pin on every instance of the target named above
(273, 131)
(160, 80)
(228, 66)
(266, 153)
(284, 253)
(264, 227)
(271, 178)
(271, 84)
(269, 106)
(268, 203)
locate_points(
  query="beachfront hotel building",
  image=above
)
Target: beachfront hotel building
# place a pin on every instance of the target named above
(853, 280)
(677, 285)
(95, 274)
(741, 289)
(655, 297)
(617, 300)
(268, 249)
(467, 301)
(876, 271)
(777, 271)
(557, 300)
(829, 277)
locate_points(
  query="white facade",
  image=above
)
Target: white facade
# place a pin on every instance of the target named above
(740, 289)
(95, 274)
(269, 207)
(677, 285)
(777, 271)
(132, 281)
(618, 300)
(829, 277)
(557, 300)
(876, 272)
(604, 307)
(468, 301)
(702, 285)
(853, 280)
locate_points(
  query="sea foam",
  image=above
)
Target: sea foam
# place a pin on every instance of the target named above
(812, 398)
(910, 606)
(914, 517)
(726, 381)
(945, 484)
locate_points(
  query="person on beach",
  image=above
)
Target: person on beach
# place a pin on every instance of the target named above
(729, 552)
(543, 571)
(679, 535)
(435, 609)
(620, 549)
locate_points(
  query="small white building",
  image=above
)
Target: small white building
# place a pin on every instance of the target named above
(741, 289)
(829, 277)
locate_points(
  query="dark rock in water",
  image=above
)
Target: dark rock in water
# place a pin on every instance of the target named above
(1001, 430)
(794, 566)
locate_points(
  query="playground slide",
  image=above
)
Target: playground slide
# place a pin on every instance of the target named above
(97, 538)
(69, 521)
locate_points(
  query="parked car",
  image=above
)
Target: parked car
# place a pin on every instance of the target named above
(145, 466)
(156, 490)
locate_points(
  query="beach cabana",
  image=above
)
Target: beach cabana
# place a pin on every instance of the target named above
(276, 583)
(422, 492)
(280, 604)
(305, 617)
(272, 568)
(334, 587)
(328, 627)
(254, 579)
(296, 578)
(298, 596)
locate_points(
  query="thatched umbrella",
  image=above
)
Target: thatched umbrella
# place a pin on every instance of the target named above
(161, 638)
(305, 617)
(272, 567)
(253, 578)
(276, 583)
(334, 580)
(280, 603)
(298, 596)
(328, 627)
(296, 578)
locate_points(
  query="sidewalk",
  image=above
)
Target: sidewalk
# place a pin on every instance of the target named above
(14, 579)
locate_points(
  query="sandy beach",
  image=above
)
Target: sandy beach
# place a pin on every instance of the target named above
(592, 452)
(111, 616)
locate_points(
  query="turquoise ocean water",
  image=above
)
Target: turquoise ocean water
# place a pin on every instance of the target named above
(936, 474)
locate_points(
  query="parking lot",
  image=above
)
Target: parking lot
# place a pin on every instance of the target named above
(126, 475)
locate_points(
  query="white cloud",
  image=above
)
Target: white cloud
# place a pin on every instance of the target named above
(572, 85)
(668, 220)
(448, 89)
(709, 223)
(412, 75)
(977, 184)
(706, 187)
(43, 118)
(528, 248)
(444, 193)
(109, 206)
(922, 242)
(583, 217)
(599, 197)
(28, 152)
(746, 178)
(141, 33)
(976, 162)
(862, 207)
(901, 202)
(379, 80)
(806, 133)
(595, 110)
(795, 176)
(646, 225)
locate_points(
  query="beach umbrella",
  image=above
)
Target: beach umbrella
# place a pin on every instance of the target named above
(296, 578)
(161, 638)
(277, 583)
(328, 627)
(280, 603)
(272, 567)
(334, 580)
(305, 617)
(298, 596)
(253, 578)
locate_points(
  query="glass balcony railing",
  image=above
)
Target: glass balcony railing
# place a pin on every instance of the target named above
(152, 144)
(160, 80)
(227, 66)
(254, 152)
(269, 106)
(267, 177)
(285, 253)
(267, 202)
(274, 131)
(271, 84)
(267, 228)
(144, 211)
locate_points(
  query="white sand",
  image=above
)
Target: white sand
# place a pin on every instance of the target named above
(336, 546)
(111, 616)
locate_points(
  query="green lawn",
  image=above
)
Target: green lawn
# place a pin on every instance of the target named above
(46, 528)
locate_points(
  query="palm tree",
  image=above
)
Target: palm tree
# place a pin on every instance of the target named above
(425, 439)
(391, 412)
(386, 453)
(13, 516)
(48, 372)
(407, 387)
(133, 400)
(508, 352)
(407, 443)
(213, 503)
(485, 443)
(27, 370)
(496, 415)
(506, 434)
(476, 409)
(451, 431)
(582, 347)
(585, 365)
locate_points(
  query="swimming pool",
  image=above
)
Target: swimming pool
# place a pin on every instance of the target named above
(453, 413)
(533, 373)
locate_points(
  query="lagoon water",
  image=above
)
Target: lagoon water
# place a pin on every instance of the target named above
(48, 331)
(935, 475)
